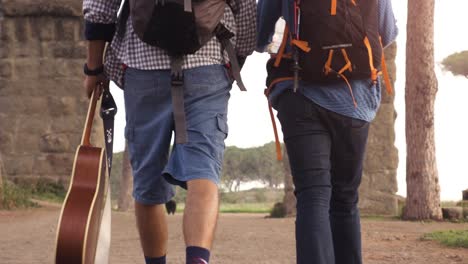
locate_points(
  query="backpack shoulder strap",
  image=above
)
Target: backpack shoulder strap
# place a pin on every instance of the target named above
(122, 19)
(224, 36)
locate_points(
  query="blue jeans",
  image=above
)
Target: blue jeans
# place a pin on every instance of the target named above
(150, 124)
(326, 152)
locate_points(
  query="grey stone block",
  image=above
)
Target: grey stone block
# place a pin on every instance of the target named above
(452, 213)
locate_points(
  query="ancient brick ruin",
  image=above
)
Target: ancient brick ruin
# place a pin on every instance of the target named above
(42, 104)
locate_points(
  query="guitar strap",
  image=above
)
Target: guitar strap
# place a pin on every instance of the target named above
(108, 111)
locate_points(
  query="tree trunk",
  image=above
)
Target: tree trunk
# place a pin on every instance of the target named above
(423, 191)
(1, 182)
(289, 199)
(126, 184)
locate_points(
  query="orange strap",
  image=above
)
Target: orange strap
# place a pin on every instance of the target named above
(388, 84)
(350, 88)
(333, 8)
(327, 67)
(348, 65)
(354, 2)
(279, 154)
(374, 71)
(274, 82)
(282, 48)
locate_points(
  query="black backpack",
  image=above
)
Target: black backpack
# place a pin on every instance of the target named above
(180, 27)
(331, 40)
(177, 26)
(343, 38)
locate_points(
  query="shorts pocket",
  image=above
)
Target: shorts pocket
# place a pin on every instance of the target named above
(213, 129)
(222, 124)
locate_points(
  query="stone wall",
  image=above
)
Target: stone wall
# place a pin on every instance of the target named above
(42, 103)
(379, 182)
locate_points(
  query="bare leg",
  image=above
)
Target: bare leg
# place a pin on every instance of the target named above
(201, 213)
(152, 226)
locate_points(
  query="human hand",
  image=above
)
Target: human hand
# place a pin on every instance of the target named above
(95, 83)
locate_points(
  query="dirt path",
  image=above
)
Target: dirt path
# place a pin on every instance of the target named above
(29, 236)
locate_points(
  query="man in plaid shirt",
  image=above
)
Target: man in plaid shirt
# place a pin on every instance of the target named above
(143, 72)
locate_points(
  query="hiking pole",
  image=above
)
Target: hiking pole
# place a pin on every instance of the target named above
(296, 67)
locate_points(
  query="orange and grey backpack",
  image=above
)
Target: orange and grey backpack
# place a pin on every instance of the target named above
(329, 41)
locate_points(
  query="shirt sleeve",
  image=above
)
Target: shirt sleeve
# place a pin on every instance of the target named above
(387, 22)
(268, 13)
(246, 23)
(100, 18)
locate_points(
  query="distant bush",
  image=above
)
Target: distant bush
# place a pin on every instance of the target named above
(16, 197)
(49, 190)
(260, 196)
(181, 195)
(253, 196)
(229, 197)
(278, 211)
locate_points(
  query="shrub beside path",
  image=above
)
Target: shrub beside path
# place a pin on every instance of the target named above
(28, 236)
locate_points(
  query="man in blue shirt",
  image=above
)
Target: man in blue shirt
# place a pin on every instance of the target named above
(325, 134)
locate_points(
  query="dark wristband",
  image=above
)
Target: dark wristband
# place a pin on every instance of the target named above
(94, 72)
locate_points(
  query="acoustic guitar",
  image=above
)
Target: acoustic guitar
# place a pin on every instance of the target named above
(79, 226)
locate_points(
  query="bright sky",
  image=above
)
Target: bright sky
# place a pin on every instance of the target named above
(250, 125)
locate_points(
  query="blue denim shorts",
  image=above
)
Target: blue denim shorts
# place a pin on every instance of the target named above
(150, 124)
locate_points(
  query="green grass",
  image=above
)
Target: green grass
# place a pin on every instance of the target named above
(251, 208)
(449, 238)
(16, 197)
(257, 208)
(253, 196)
(381, 217)
(448, 203)
(20, 195)
(49, 191)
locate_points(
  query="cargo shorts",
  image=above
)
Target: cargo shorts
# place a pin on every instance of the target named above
(157, 165)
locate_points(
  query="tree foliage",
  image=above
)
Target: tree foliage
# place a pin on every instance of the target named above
(239, 165)
(251, 164)
(457, 63)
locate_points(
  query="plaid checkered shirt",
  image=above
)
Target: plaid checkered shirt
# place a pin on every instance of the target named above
(129, 50)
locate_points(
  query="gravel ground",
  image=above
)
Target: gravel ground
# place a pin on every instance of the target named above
(28, 236)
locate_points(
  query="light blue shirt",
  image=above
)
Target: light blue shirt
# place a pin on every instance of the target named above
(335, 97)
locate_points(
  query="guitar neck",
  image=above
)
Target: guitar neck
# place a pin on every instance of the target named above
(86, 138)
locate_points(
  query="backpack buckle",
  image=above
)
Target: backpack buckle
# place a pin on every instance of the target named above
(177, 74)
(177, 79)
(222, 33)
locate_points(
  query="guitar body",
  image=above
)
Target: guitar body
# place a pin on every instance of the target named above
(80, 220)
